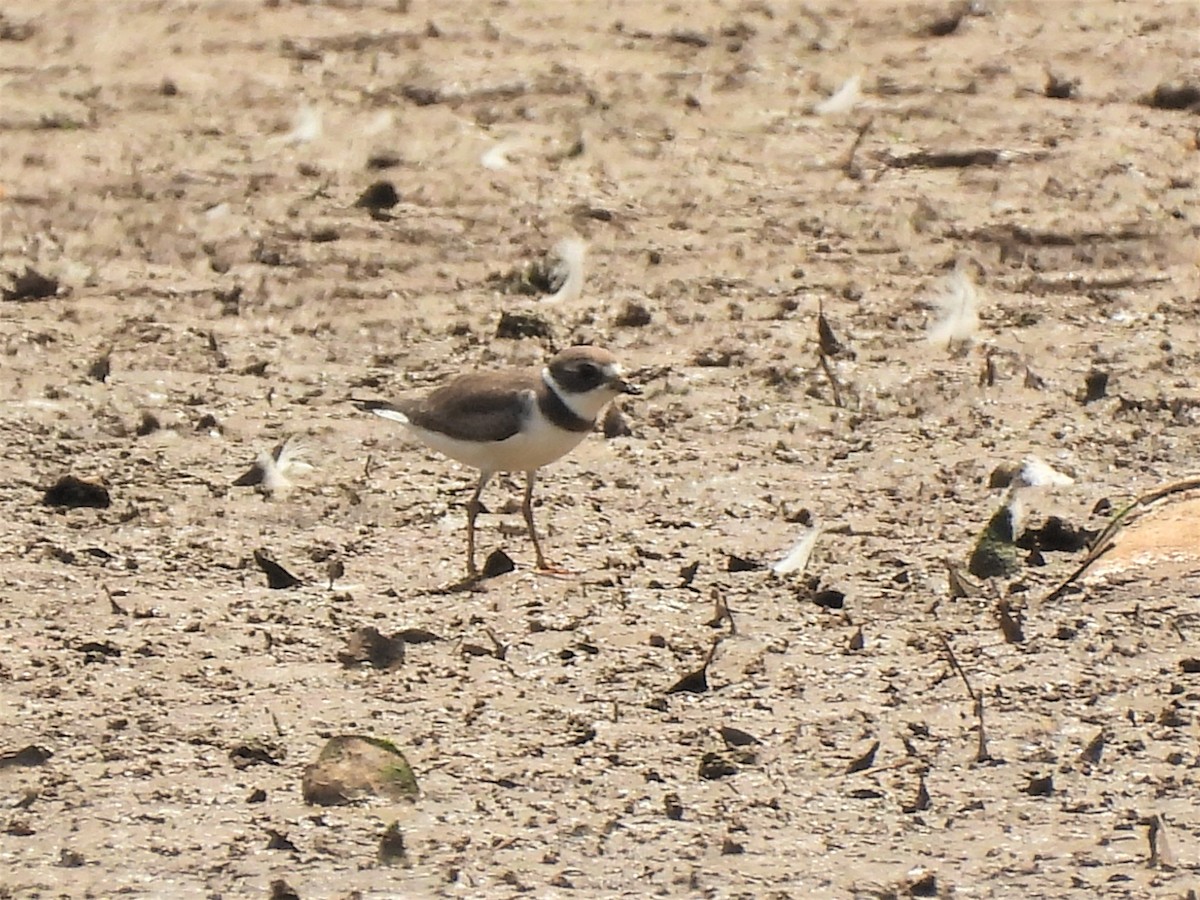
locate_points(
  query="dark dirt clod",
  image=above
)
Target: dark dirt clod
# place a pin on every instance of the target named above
(735, 563)
(633, 315)
(421, 96)
(735, 737)
(281, 890)
(1058, 88)
(31, 285)
(498, 563)
(1095, 749)
(615, 424)
(15, 31)
(522, 325)
(922, 801)
(101, 368)
(1095, 386)
(865, 761)
(692, 683)
(730, 847)
(925, 885)
(827, 341)
(947, 24)
(148, 425)
(369, 645)
(256, 753)
(380, 195)
(1175, 95)
(1040, 786)
(278, 578)
(673, 807)
(383, 160)
(416, 636)
(829, 598)
(391, 845)
(1056, 536)
(251, 477)
(280, 841)
(857, 640)
(32, 755)
(1010, 622)
(689, 38)
(72, 492)
(716, 765)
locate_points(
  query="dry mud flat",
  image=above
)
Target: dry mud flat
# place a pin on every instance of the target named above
(185, 177)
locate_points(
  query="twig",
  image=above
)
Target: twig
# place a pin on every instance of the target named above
(116, 608)
(957, 668)
(961, 159)
(712, 651)
(851, 166)
(723, 611)
(833, 382)
(981, 755)
(1105, 541)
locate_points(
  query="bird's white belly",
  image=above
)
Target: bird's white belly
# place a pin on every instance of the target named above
(536, 445)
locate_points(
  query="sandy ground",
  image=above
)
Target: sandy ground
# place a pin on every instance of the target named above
(187, 172)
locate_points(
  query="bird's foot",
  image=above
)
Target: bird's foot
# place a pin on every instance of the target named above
(552, 571)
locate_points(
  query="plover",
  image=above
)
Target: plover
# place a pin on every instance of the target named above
(512, 421)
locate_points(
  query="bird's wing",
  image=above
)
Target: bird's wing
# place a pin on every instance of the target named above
(476, 407)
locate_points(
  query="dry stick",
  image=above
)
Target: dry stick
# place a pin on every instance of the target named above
(116, 608)
(982, 754)
(712, 651)
(1105, 541)
(850, 167)
(722, 611)
(833, 382)
(875, 770)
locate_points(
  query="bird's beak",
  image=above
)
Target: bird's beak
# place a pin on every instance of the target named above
(626, 387)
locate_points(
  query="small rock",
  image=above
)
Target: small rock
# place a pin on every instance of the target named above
(351, 766)
(615, 425)
(369, 645)
(633, 315)
(391, 846)
(73, 492)
(673, 807)
(714, 766)
(995, 554)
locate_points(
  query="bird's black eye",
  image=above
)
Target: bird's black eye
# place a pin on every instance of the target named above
(590, 373)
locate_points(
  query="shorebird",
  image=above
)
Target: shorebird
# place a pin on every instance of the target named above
(512, 421)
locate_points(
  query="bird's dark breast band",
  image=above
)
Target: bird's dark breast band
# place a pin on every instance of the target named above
(560, 414)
